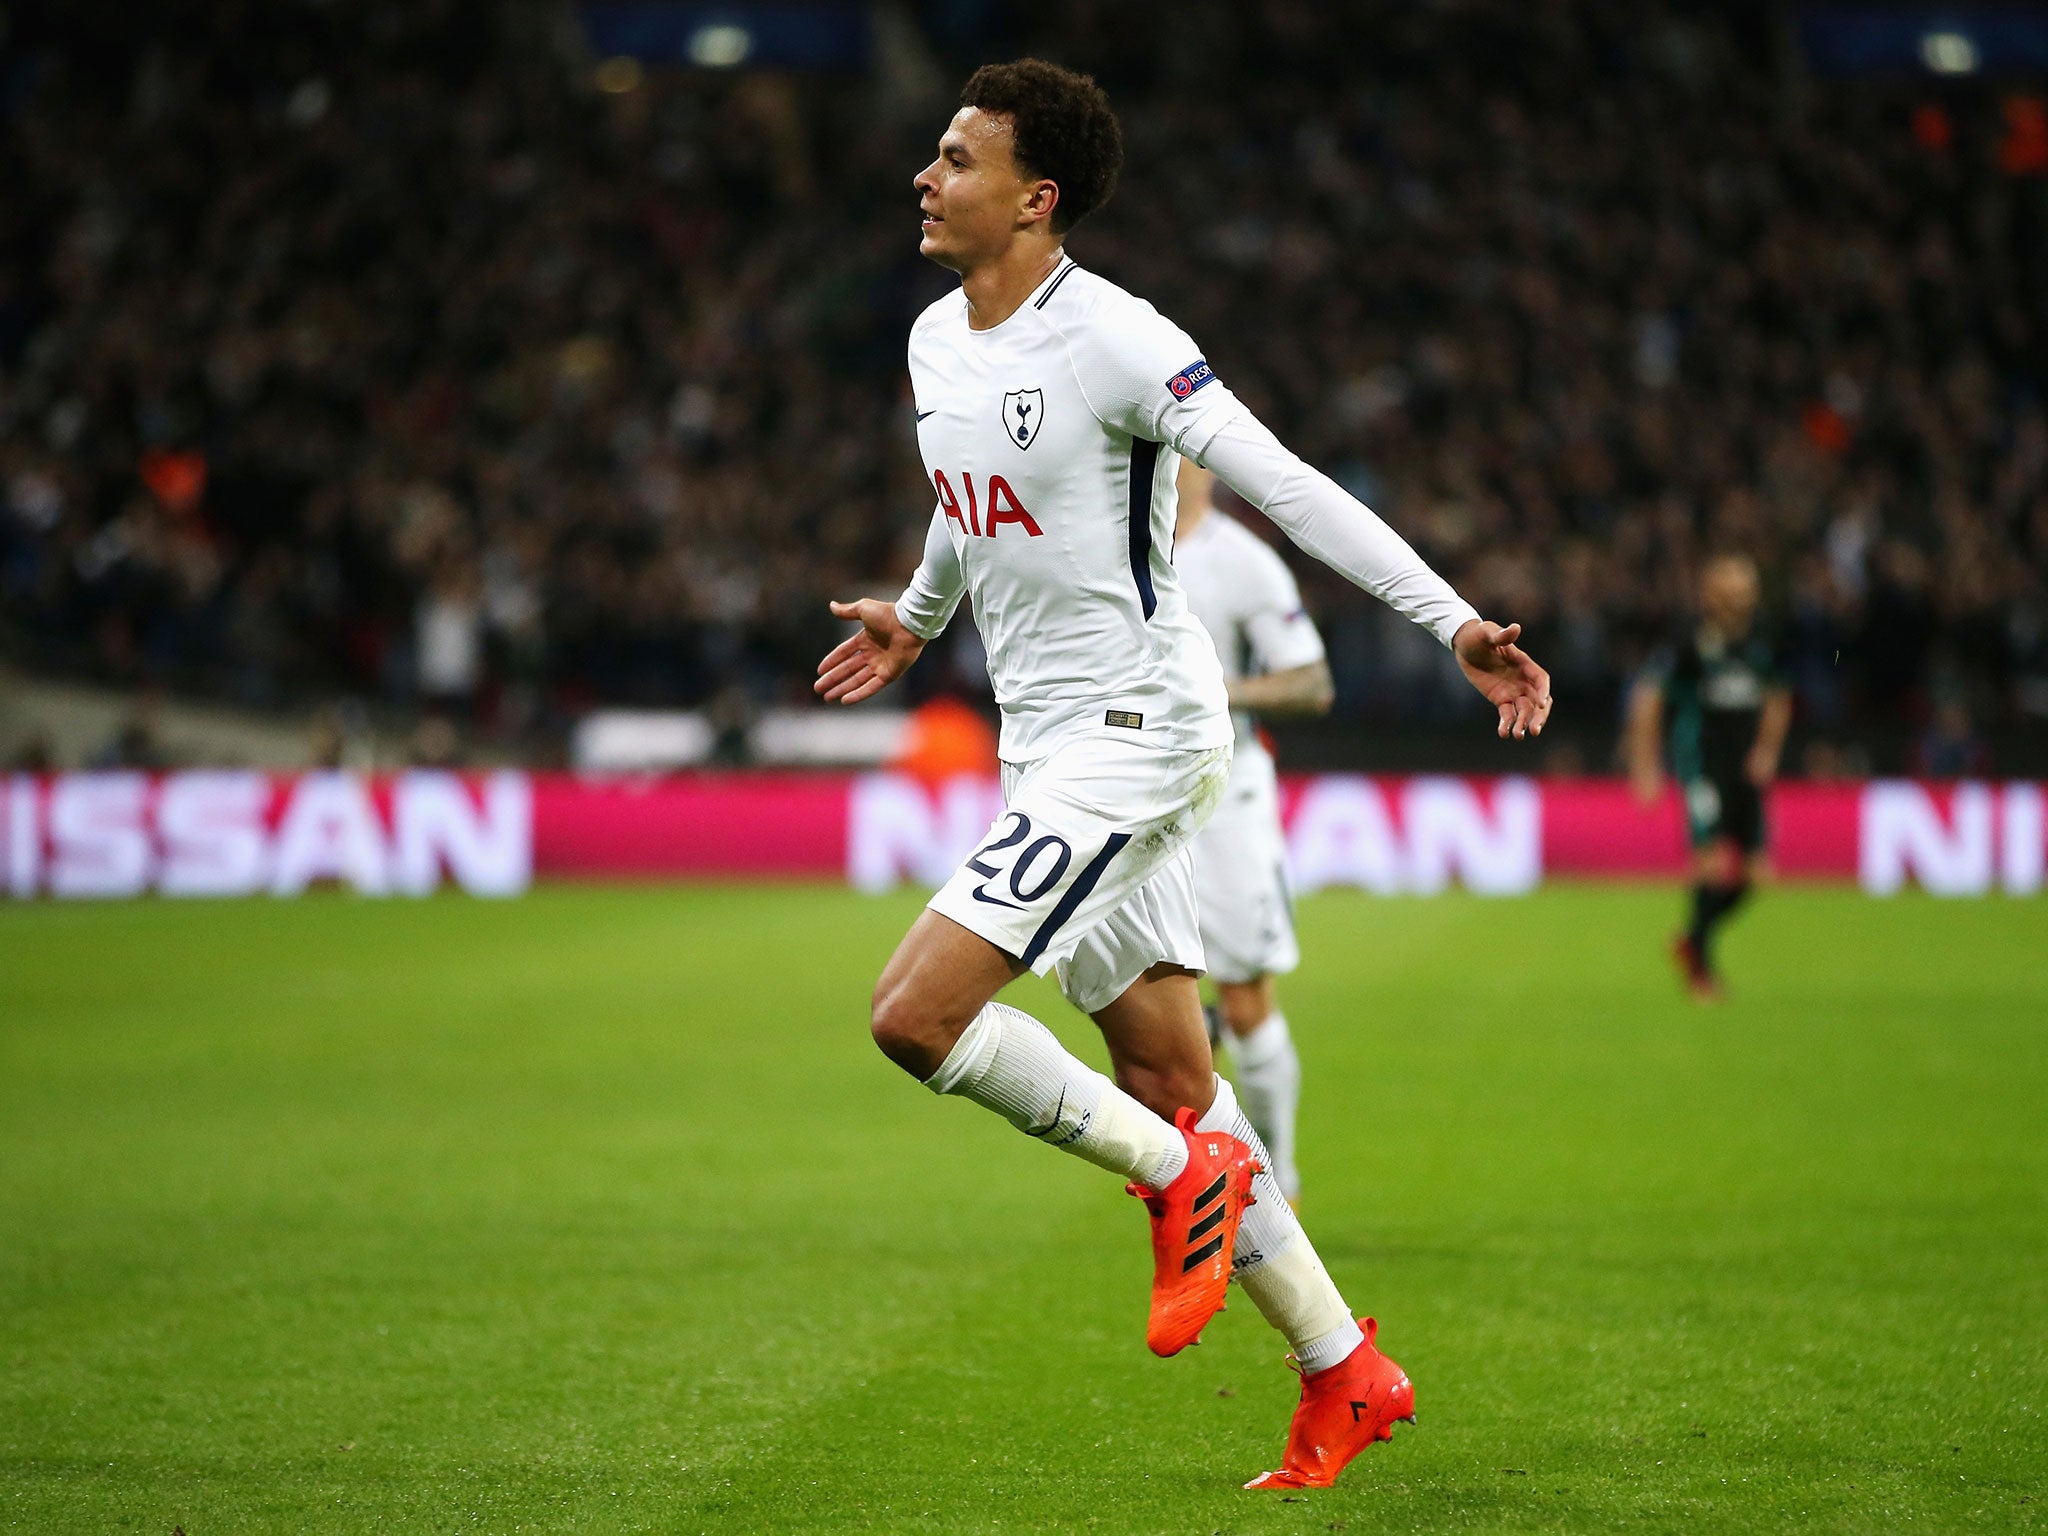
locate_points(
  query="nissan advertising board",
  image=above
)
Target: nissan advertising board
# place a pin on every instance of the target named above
(237, 833)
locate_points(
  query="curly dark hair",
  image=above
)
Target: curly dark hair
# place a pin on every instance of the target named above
(1063, 127)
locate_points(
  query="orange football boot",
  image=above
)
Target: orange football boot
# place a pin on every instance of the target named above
(1194, 1227)
(1342, 1411)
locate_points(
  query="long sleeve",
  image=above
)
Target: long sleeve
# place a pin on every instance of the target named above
(1332, 525)
(1142, 374)
(927, 604)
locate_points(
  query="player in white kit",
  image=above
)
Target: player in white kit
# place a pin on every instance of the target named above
(1272, 660)
(1052, 409)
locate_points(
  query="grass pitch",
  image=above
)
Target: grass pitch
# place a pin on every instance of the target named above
(597, 1212)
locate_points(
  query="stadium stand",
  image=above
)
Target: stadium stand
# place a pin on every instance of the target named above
(379, 352)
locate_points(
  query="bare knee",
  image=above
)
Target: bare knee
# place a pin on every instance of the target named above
(909, 1031)
(930, 991)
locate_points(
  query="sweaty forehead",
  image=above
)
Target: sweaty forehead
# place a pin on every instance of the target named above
(985, 135)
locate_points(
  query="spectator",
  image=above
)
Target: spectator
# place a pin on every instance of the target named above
(371, 350)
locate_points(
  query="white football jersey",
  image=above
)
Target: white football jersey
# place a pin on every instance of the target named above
(1241, 591)
(1052, 441)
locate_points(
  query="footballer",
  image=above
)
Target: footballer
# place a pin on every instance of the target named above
(1053, 409)
(1719, 702)
(1273, 664)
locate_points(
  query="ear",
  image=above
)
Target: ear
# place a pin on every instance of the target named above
(1039, 201)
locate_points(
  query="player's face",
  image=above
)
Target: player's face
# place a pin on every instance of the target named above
(1728, 595)
(973, 197)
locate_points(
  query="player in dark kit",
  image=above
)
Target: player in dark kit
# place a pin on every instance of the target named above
(1719, 700)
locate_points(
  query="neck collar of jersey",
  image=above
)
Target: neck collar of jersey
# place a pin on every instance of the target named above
(1036, 299)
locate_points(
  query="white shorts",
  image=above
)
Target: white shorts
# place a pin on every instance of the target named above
(1088, 868)
(1247, 912)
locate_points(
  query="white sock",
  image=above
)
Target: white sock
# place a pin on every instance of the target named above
(1276, 1263)
(1269, 1090)
(1009, 1062)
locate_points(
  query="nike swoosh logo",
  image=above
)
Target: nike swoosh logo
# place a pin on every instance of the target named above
(922, 414)
(980, 894)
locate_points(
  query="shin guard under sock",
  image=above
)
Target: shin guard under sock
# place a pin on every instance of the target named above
(1009, 1062)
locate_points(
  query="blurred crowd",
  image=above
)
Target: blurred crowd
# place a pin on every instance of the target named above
(398, 352)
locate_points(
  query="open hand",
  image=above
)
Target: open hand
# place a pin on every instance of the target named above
(1503, 671)
(870, 658)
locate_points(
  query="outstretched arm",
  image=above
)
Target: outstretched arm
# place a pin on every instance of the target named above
(1771, 730)
(1303, 690)
(1645, 727)
(1506, 676)
(927, 604)
(891, 635)
(869, 659)
(1350, 538)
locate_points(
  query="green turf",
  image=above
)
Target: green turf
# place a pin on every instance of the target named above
(596, 1212)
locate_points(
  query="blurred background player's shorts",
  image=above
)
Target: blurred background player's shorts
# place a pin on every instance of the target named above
(1729, 810)
(1241, 865)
